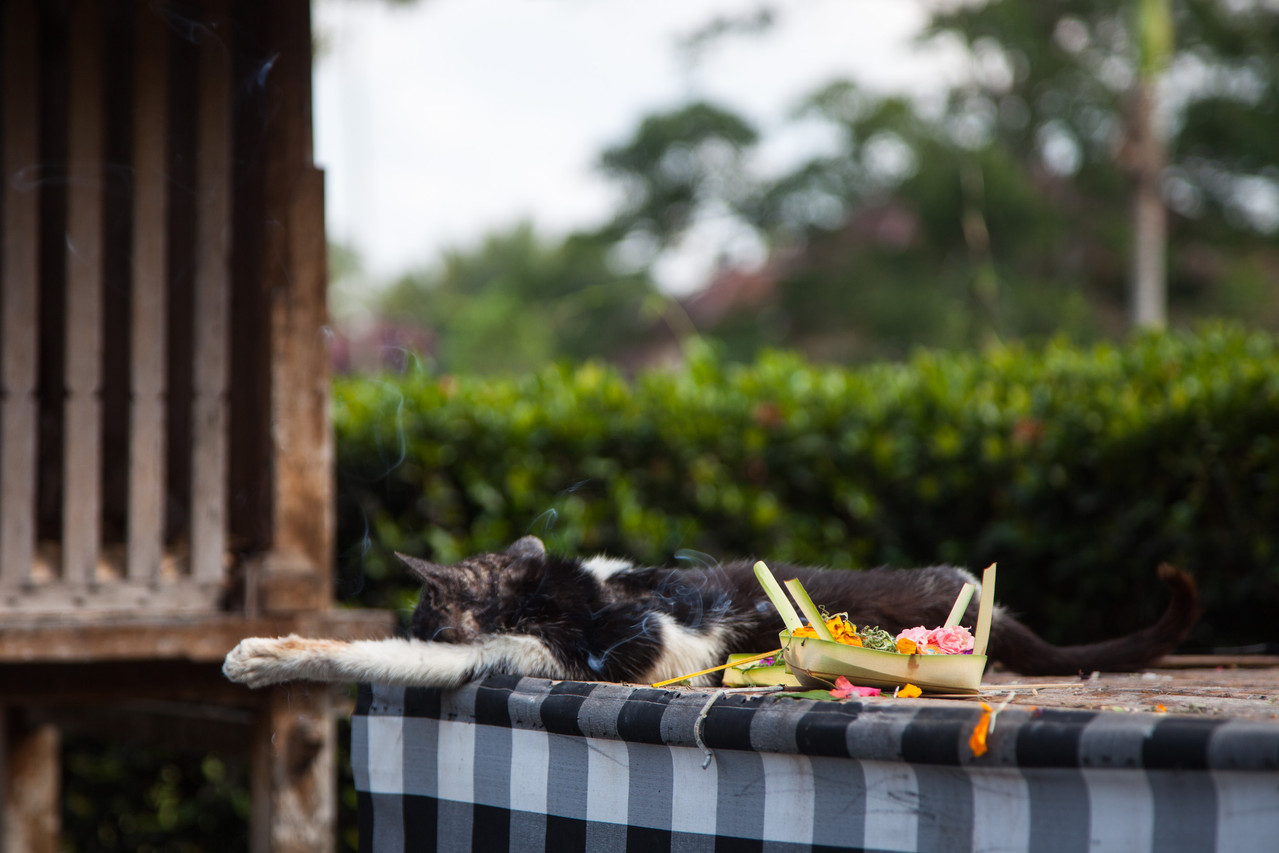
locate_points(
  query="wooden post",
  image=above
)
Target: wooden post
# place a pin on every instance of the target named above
(212, 298)
(30, 789)
(82, 450)
(298, 574)
(149, 340)
(293, 783)
(19, 291)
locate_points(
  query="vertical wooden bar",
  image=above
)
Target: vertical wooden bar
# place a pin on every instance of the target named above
(149, 322)
(30, 784)
(82, 452)
(19, 290)
(212, 297)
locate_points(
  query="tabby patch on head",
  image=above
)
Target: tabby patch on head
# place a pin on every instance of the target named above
(480, 595)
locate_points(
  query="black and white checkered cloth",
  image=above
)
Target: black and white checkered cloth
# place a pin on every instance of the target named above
(524, 764)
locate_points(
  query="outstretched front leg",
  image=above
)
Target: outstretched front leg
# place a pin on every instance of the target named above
(261, 661)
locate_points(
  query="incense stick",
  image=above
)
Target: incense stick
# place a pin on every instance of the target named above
(751, 659)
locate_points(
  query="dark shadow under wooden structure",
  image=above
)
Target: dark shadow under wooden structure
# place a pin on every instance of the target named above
(165, 450)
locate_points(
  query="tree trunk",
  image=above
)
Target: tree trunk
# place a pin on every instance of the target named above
(1145, 157)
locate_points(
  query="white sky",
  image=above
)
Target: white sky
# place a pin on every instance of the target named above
(443, 120)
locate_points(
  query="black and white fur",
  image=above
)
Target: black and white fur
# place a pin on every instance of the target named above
(525, 611)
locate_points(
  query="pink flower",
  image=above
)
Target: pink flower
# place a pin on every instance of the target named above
(919, 636)
(844, 689)
(952, 641)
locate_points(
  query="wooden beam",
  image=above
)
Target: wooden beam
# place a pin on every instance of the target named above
(193, 638)
(149, 320)
(212, 297)
(82, 451)
(30, 784)
(292, 778)
(19, 294)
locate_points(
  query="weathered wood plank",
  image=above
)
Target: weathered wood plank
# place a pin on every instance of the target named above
(82, 462)
(292, 781)
(295, 275)
(31, 784)
(194, 638)
(149, 323)
(212, 298)
(19, 290)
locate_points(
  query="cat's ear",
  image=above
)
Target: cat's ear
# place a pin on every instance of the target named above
(527, 547)
(427, 572)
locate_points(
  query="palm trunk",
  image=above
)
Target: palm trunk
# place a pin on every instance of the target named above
(1150, 217)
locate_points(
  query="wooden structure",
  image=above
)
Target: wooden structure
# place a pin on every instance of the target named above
(165, 453)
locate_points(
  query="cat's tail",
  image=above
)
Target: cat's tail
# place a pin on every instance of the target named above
(1021, 650)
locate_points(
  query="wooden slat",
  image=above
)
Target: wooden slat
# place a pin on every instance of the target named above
(82, 451)
(212, 299)
(147, 447)
(19, 290)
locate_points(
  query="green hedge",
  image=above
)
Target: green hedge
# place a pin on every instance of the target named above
(1079, 470)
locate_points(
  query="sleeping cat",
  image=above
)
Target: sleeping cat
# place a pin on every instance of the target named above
(527, 612)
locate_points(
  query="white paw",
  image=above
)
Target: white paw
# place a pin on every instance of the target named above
(260, 661)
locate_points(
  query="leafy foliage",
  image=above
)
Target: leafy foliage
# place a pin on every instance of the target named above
(675, 164)
(517, 301)
(150, 799)
(1079, 470)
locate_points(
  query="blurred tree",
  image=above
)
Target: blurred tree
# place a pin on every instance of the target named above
(1030, 204)
(1008, 210)
(676, 166)
(1070, 88)
(516, 301)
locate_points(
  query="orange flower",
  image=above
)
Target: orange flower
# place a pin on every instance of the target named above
(977, 743)
(908, 691)
(906, 646)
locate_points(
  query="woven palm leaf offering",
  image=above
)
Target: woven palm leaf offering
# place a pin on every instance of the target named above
(946, 659)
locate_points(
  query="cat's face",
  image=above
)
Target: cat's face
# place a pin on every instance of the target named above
(484, 594)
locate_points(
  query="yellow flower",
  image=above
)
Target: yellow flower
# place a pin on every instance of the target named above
(908, 691)
(840, 628)
(906, 646)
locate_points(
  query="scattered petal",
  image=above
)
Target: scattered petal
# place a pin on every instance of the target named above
(844, 689)
(908, 691)
(977, 742)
